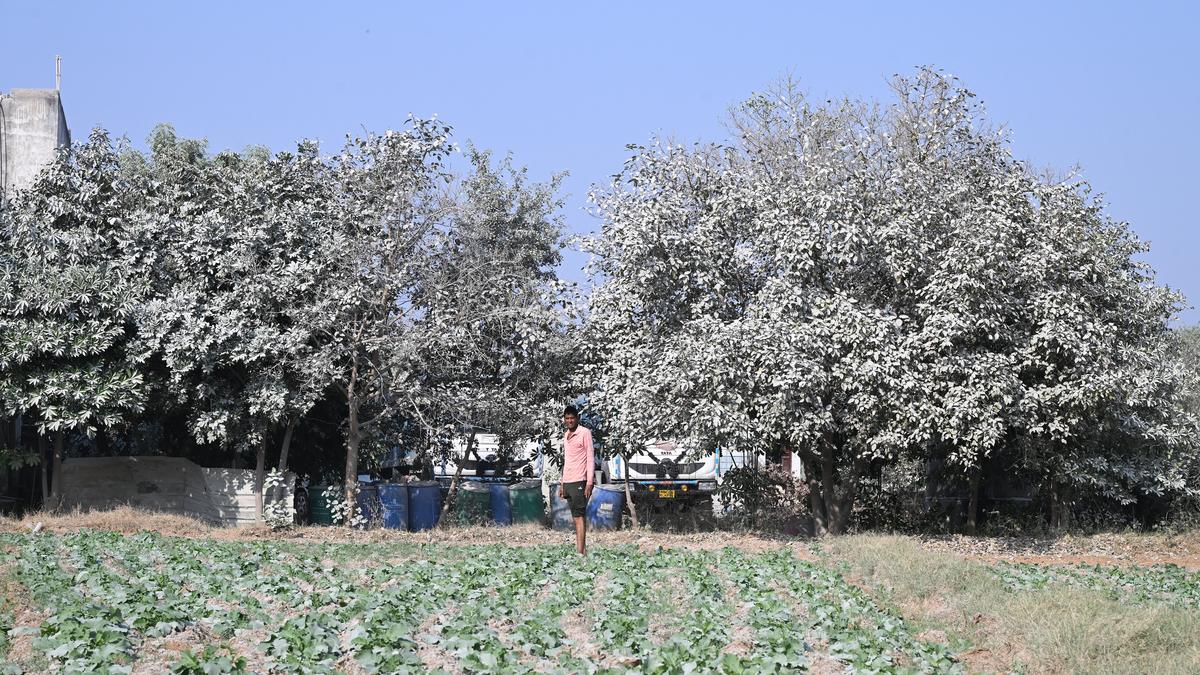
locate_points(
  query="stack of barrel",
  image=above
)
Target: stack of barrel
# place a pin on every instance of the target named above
(603, 509)
(479, 503)
(396, 506)
(417, 506)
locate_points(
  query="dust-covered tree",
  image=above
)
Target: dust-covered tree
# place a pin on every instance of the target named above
(858, 281)
(383, 203)
(73, 272)
(239, 257)
(496, 346)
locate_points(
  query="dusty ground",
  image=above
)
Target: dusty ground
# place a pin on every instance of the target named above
(1110, 549)
(128, 520)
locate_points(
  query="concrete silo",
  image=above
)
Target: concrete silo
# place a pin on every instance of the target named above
(33, 127)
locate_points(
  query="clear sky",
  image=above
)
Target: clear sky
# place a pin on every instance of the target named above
(566, 85)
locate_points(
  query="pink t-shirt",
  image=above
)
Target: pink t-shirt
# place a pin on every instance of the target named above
(578, 458)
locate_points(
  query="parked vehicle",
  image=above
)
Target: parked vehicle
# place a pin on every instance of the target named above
(668, 471)
(485, 461)
(678, 473)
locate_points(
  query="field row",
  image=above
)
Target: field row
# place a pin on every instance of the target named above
(114, 603)
(1157, 584)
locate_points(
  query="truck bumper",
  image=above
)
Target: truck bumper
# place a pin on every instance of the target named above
(672, 490)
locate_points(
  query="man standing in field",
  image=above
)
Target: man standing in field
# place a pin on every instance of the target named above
(579, 472)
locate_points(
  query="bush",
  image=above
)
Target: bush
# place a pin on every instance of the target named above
(769, 497)
(893, 501)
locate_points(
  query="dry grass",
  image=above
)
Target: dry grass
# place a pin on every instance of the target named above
(1140, 548)
(130, 520)
(123, 519)
(1049, 631)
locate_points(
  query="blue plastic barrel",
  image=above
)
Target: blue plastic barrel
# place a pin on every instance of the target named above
(604, 509)
(367, 503)
(502, 513)
(393, 505)
(424, 505)
(560, 511)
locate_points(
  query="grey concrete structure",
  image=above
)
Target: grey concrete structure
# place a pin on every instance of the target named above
(33, 126)
(167, 484)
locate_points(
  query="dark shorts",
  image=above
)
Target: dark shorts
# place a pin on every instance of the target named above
(575, 498)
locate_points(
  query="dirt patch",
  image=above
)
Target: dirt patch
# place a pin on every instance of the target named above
(158, 654)
(432, 655)
(14, 599)
(824, 664)
(577, 626)
(982, 660)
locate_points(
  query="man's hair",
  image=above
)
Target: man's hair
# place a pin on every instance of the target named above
(571, 410)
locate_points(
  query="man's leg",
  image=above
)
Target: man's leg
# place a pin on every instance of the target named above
(581, 535)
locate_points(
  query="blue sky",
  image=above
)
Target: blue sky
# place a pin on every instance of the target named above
(565, 86)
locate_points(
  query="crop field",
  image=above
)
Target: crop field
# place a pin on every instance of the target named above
(96, 601)
(99, 601)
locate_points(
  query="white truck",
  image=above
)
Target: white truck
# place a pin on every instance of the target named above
(668, 471)
(674, 472)
(485, 462)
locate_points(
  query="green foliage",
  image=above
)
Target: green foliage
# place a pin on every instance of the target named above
(6, 624)
(863, 281)
(16, 458)
(72, 278)
(490, 608)
(210, 661)
(1155, 584)
(763, 495)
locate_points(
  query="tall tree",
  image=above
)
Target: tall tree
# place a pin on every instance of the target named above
(384, 203)
(859, 281)
(73, 271)
(240, 258)
(494, 339)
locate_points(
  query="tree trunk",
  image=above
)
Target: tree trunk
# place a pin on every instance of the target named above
(287, 444)
(1064, 505)
(352, 440)
(453, 492)
(628, 494)
(816, 504)
(1053, 505)
(280, 491)
(56, 471)
(260, 466)
(973, 501)
(44, 455)
(832, 509)
(1060, 505)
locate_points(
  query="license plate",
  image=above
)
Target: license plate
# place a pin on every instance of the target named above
(666, 494)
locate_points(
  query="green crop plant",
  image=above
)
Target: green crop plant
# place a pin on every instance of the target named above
(489, 609)
(1156, 584)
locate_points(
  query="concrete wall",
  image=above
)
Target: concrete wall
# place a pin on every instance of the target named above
(170, 484)
(33, 126)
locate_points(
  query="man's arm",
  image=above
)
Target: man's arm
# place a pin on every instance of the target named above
(562, 488)
(591, 464)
